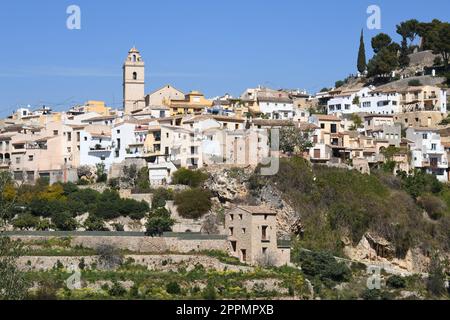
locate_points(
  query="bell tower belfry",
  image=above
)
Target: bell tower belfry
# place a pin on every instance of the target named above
(133, 82)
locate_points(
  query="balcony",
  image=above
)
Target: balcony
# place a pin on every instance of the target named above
(100, 148)
(5, 163)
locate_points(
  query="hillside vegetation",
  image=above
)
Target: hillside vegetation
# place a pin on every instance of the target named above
(336, 204)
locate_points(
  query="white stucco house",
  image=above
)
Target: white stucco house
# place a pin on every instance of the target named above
(427, 152)
(380, 102)
(347, 102)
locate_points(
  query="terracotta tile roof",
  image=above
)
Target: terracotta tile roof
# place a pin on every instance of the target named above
(100, 118)
(273, 123)
(258, 210)
(326, 117)
(307, 126)
(217, 118)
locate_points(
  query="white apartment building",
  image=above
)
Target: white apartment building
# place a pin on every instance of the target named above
(380, 102)
(347, 102)
(428, 153)
(102, 144)
(277, 108)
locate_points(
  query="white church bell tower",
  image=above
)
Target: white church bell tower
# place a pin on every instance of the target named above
(133, 82)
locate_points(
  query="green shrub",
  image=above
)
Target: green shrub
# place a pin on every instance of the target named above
(82, 264)
(83, 200)
(158, 224)
(420, 183)
(26, 221)
(324, 265)
(114, 183)
(173, 288)
(193, 203)
(117, 290)
(192, 178)
(436, 278)
(134, 209)
(44, 225)
(119, 227)
(396, 282)
(94, 223)
(209, 293)
(142, 183)
(47, 208)
(376, 294)
(101, 172)
(433, 205)
(64, 221)
(160, 196)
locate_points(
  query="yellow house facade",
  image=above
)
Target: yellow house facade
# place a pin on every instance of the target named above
(193, 103)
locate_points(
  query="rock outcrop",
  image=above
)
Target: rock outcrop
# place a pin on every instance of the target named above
(376, 250)
(228, 184)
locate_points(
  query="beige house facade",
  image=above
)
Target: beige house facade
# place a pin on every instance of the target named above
(252, 236)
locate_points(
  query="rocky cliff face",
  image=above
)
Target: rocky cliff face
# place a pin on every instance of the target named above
(230, 185)
(374, 250)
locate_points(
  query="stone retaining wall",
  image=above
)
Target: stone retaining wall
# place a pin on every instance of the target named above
(142, 244)
(167, 262)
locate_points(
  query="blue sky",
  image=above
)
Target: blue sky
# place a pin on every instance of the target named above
(212, 46)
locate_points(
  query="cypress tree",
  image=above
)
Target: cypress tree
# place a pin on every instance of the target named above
(362, 65)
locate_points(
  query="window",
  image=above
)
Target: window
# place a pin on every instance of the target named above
(55, 132)
(85, 138)
(243, 254)
(425, 136)
(244, 230)
(264, 235)
(17, 160)
(30, 158)
(134, 75)
(333, 128)
(433, 146)
(231, 231)
(240, 217)
(231, 217)
(118, 131)
(78, 136)
(322, 125)
(69, 136)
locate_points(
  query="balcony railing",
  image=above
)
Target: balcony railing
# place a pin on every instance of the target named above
(100, 148)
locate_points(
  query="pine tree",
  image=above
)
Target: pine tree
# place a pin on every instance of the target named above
(362, 66)
(403, 59)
